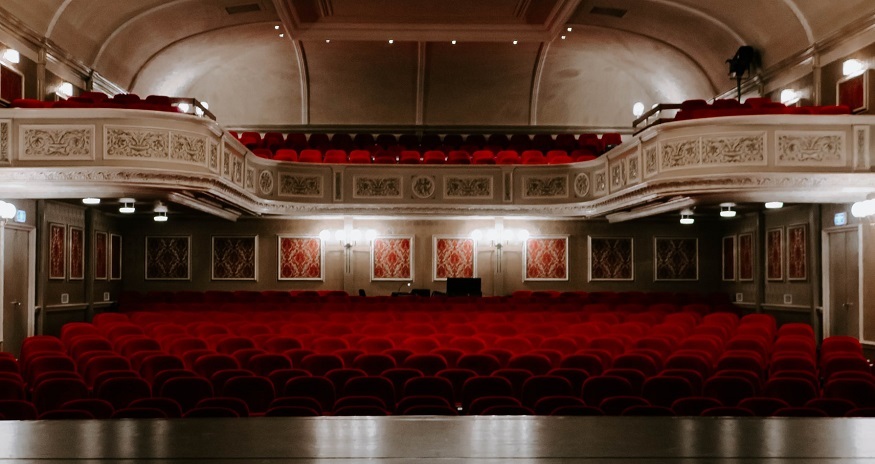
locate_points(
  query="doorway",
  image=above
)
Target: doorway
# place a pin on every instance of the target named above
(842, 282)
(18, 285)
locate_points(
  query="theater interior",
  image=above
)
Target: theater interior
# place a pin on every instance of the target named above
(396, 230)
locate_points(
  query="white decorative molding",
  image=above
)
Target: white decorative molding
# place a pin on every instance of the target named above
(581, 184)
(679, 153)
(5, 141)
(618, 175)
(237, 170)
(861, 148)
(601, 181)
(651, 161)
(190, 149)
(377, 187)
(214, 157)
(810, 148)
(423, 186)
(265, 182)
(634, 168)
(294, 185)
(536, 187)
(226, 162)
(735, 150)
(46, 142)
(128, 142)
(250, 179)
(468, 187)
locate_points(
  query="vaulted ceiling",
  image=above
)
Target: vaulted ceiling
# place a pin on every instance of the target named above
(334, 64)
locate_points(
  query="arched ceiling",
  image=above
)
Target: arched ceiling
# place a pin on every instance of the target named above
(192, 45)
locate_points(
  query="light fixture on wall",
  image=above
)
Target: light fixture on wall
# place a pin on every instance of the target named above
(391, 41)
(453, 42)
(127, 205)
(726, 210)
(774, 204)
(91, 201)
(638, 109)
(865, 208)
(515, 42)
(160, 212)
(499, 238)
(853, 67)
(7, 211)
(790, 96)
(65, 90)
(11, 55)
(687, 217)
(348, 241)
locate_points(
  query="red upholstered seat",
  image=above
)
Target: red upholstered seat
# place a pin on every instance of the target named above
(310, 156)
(434, 157)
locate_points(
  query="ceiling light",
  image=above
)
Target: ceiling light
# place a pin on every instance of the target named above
(127, 205)
(65, 90)
(391, 41)
(7, 210)
(726, 210)
(569, 29)
(453, 42)
(276, 28)
(282, 35)
(563, 37)
(515, 42)
(91, 201)
(853, 67)
(789, 96)
(328, 41)
(687, 217)
(638, 109)
(11, 55)
(774, 204)
(160, 213)
(863, 208)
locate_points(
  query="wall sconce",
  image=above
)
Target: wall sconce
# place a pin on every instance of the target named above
(790, 96)
(11, 55)
(687, 217)
(863, 209)
(638, 109)
(127, 205)
(853, 67)
(7, 211)
(348, 241)
(65, 90)
(498, 239)
(160, 212)
(726, 210)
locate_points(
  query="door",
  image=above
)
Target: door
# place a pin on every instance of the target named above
(16, 301)
(844, 283)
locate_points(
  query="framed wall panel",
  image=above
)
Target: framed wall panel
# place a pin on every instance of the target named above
(729, 257)
(168, 258)
(797, 252)
(545, 258)
(775, 254)
(745, 257)
(57, 251)
(101, 258)
(453, 257)
(234, 257)
(611, 258)
(115, 257)
(392, 258)
(300, 258)
(675, 258)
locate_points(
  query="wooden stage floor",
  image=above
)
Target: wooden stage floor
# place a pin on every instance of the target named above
(476, 440)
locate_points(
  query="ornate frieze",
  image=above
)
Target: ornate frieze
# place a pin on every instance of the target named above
(634, 162)
(423, 186)
(56, 143)
(746, 149)
(214, 157)
(5, 140)
(861, 147)
(226, 162)
(265, 182)
(237, 170)
(810, 148)
(189, 149)
(651, 161)
(250, 179)
(376, 187)
(581, 184)
(618, 175)
(294, 185)
(135, 143)
(679, 153)
(545, 186)
(601, 181)
(468, 187)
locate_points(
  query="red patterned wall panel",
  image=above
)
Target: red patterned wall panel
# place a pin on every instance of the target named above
(610, 259)
(676, 258)
(300, 258)
(797, 253)
(392, 258)
(77, 253)
(100, 256)
(168, 258)
(454, 257)
(775, 254)
(546, 258)
(57, 251)
(745, 257)
(235, 258)
(729, 258)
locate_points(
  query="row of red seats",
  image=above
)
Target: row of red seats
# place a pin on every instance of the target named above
(697, 109)
(337, 156)
(472, 142)
(101, 100)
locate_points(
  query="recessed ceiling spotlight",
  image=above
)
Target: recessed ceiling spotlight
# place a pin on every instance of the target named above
(91, 201)
(282, 35)
(276, 28)
(328, 41)
(687, 217)
(568, 29)
(391, 41)
(127, 205)
(774, 204)
(563, 37)
(515, 42)
(453, 42)
(726, 210)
